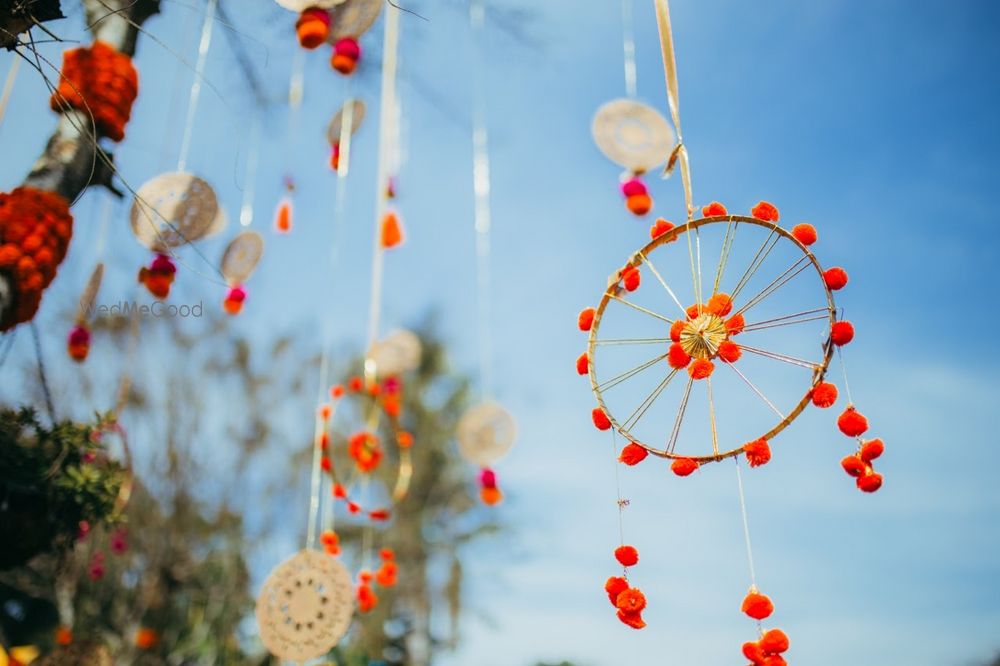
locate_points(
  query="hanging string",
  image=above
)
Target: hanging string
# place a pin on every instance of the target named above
(250, 178)
(628, 41)
(746, 524)
(673, 101)
(622, 502)
(199, 72)
(42, 376)
(316, 473)
(8, 86)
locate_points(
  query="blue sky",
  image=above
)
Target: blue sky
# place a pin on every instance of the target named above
(874, 121)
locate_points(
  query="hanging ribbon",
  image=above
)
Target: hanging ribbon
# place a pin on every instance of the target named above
(8, 86)
(679, 156)
(199, 73)
(628, 42)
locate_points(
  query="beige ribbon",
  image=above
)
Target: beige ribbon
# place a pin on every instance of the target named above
(679, 156)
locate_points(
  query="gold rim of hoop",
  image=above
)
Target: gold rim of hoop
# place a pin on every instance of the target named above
(636, 260)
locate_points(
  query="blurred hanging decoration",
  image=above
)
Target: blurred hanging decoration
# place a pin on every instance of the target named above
(78, 342)
(177, 208)
(348, 22)
(718, 339)
(630, 133)
(238, 263)
(283, 213)
(486, 432)
(335, 130)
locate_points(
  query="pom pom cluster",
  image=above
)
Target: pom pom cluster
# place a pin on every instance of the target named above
(346, 54)
(637, 198)
(100, 81)
(159, 276)
(628, 601)
(312, 27)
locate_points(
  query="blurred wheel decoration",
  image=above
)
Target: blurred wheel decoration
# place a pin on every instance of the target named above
(238, 263)
(397, 353)
(335, 130)
(486, 433)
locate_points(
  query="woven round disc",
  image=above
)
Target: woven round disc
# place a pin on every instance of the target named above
(353, 18)
(396, 353)
(486, 433)
(305, 606)
(173, 209)
(89, 296)
(335, 127)
(632, 134)
(242, 256)
(301, 5)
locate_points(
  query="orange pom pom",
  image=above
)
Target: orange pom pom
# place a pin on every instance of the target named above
(720, 304)
(675, 330)
(586, 319)
(639, 204)
(344, 64)
(824, 395)
(660, 227)
(336, 391)
(735, 324)
(804, 233)
(627, 556)
(392, 231)
(633, 454)
(633, 620)
(841, 333)
(765, 211)
(380, 515)
(758, 452)
(729, 351)
(694, 310)
(852, 423)
(146, 638)
(753, 652)
(100, 82)
(324, 412)
(757, 605)
(835, 278)
(677, 357)
(283, 216)
(631, 278)
(774, 641)
(631, 601)
(404, 440)
(869, 482)
(684, 466)
(701, 368)
(872, 449)
(615, 586)
(582, 364)
(313, 27)
(490, 496)
(714, 209)
(853, 465)
(601, 420)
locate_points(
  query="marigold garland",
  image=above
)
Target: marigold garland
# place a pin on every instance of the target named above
(101, 81)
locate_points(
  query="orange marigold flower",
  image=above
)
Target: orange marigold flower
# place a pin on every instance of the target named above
(720, 304)
(758, 452)
(702, 368)
(582, 364)
(639, 204)
(824, 395)
(757, 605)
(694, 310)
(631, 600)
(841, 333)
(633, 620)
(627, 556)
(853, 465)
(631, 278)
(677, 357)
(735, 324)
(805, 233)
(404, 439)
(324, 411)
(601, 420)
(684, 466)
(872, 449)
(714, 209)
(586, 319)
(774, 641)
(387, 554)
(633, 454)
(852, 422)
(675, 330)
(615, 586)
(870, 481)
(336, 391)
(765, 211)
(660, 227)
(835, 278)
(729, 351)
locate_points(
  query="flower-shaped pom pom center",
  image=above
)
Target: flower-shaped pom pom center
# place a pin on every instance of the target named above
(701, 336)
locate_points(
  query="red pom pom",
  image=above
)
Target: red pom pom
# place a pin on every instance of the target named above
(639, 204)
(659, 228)
(869, 482)
(758, 452)
(835, 278)
(627, 556)
(325, 463)
(354, 384)
(774, 660)
(714, 209)
(78, 343)
(633, 454)
(582, 364)
(677, 357)
(765, 211)
(631, 278)
(774, 641)
(729, 351)
(853, 465)
(824, 395)
(735, 324)
(720, 304)
(757, 605)
(586, 319)
(675, 330)
(633, 620)
(684, 466)
(702, 368)
(339, 491)
(694, 310)
(804, 233)
(633, 187)
(615, 586)
(348, 46)
(601, 420)
(841, 333)
(753, 652)
(852, 423)
(872, 449)
(487, 478)
(631, 601)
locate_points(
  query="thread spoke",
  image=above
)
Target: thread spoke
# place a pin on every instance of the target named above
(755, 263)
(663, 282)
(711, 417)
(644, 406)
(777, 283)
(628, 374)
(781, 357)
(789, 320)
(727, 245)
(675, 432)
(756, 390)
(631, 341)
(641, 309)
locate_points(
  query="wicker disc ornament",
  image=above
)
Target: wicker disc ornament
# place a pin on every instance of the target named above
(305, 606)
(242, 256)
(353, 18)
(335, 127)
(396, 353)
(633, 135)
(486, 433)
(88, 299)
(302, 5)
(173, 209)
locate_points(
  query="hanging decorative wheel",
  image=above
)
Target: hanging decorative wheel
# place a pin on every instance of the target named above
(305, 606)
(737, 304)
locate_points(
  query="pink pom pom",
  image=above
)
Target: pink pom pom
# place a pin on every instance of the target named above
(488, 478)
(237, 294)
(348, 46)
(633, 187)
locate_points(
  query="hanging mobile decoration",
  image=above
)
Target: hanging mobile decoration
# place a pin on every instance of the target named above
(719, 339)
(335, 130)
(397, 353)
(238, 263)
(78, 342)
(348, 21)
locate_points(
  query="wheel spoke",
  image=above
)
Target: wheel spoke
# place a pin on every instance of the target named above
(756, 262)
(698, 285)
(781, 357)
(659, 277)
(615, 381)
(756, 390)
(632, 341)
(727, 245)
(676, 431)
(711, 416)
(780, 281)
(789, 320)
(641, 309)
(644, 406)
